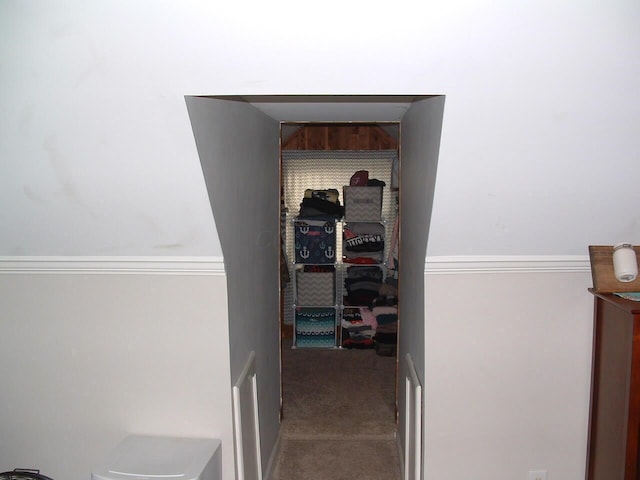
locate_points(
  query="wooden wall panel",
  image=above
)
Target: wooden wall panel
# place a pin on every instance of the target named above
(340, 137)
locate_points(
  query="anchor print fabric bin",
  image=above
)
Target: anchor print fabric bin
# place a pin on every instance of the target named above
(315, 241)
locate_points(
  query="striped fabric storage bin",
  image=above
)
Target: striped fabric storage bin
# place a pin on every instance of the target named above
(315, 327)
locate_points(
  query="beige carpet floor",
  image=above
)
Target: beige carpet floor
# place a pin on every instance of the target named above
(338, 416)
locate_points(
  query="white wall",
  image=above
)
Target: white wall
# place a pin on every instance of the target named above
(508, 370)
(539, 127)
(88, 358)
(539, 156)
(98, 156)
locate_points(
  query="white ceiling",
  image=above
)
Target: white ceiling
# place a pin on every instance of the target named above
(333, 108)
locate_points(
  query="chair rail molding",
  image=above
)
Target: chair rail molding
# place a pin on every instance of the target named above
(215, 265)
(507, 264)
(113, 265)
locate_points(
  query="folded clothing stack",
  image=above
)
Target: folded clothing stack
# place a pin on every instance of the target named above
(362, 285)
(358, 328)
(363, 243)
(386, 336)
(361, 179)
(321, 204)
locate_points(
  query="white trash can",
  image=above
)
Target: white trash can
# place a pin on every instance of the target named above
(142, 457)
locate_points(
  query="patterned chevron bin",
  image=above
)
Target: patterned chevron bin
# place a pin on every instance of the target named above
(315, 241)
(362, 204)
(315, 288)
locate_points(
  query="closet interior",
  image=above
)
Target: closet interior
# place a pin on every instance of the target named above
(339, 235)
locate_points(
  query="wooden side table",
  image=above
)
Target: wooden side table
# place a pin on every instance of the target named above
(614, 424)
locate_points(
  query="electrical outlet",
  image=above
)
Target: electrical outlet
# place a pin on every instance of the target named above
(537, 475)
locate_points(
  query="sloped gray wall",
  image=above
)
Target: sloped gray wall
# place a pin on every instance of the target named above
(239, 151)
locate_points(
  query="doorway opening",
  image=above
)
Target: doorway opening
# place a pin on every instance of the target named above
(238, 140)
(339, 231)
(339, 289)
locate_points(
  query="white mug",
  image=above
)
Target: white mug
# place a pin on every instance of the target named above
(625, 264)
